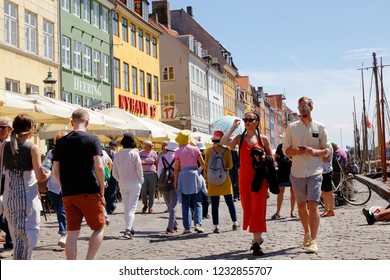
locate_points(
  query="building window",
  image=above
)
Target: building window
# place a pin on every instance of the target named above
(106, 67)
(87, 10)
(78, 99)
(77, 56)
(87, 60)
(133, 35)
(65, 54)
(30, 31)
(87, 102)
(104, 19)
(154, 47)
(149, 85)
(65, 4)
(48, 39)
(169, 100)
(126, 77)
(12, 85)
(168, 73)
(130, 4)
(147, 43)
(155, 88)
(192, 74)
(140, 39)
(116, 73)
(67, 97)
(96, 64)
(10, 23)
(142, 83)
(76, 8)
(95, 14)
(134, 80)
(115, 30)
(125, 32)
(31, 89)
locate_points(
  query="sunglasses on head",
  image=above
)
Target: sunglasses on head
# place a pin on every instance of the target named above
(248, 120)
(304, 107)
(4, 127)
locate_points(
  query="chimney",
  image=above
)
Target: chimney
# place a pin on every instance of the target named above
(189, 11)
(162, 10)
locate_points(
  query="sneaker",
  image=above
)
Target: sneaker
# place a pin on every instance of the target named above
(235, 226)
(369, 217)
(187, 231)
(306, 239)
(169, 231)
(62, 241)
(312, 247)
(7, 253)
(175, 229)
(144, 208)
(198, 228)
(129, 234)
(216, 230)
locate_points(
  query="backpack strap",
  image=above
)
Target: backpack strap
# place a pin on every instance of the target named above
(169, 166)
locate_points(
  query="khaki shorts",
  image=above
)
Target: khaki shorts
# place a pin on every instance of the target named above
(89, 206)
(307, 189)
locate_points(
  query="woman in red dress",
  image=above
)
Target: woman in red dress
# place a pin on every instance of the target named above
(254, 204)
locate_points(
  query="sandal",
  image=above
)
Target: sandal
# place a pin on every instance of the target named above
(275, 216)
(324, 214)
(293, 215)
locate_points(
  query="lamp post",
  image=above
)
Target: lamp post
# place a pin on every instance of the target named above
(50, 85)
(183, 121)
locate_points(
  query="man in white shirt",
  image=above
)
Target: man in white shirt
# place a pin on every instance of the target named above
(306, 141)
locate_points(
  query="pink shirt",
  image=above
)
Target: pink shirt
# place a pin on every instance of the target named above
(188, 156)
(150, 159)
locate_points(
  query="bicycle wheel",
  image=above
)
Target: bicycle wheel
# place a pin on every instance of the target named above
(355, 191)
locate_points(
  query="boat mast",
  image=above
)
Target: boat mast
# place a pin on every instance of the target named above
(378, 108)
(383, 144)
(365, 157)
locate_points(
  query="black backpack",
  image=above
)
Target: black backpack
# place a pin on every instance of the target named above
(165, 180)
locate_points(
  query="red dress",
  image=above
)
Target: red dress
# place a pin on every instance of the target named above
(254, 204)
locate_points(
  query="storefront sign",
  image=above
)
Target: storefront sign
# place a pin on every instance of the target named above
(85, 87)
(135, 106)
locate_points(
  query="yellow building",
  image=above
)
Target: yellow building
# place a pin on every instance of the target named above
(28, 45)
(136, 67)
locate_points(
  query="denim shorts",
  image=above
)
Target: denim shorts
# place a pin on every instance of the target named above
(307, 189)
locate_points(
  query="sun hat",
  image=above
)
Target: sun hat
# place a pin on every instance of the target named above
(201, 146)
(183, 138)
(333, 144)
(172, 146)
(217, 135)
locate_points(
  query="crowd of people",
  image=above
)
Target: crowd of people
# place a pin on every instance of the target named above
(85, 181)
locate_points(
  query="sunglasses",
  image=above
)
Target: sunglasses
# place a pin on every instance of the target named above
(249, 120)
(304, 107)
(4, 127)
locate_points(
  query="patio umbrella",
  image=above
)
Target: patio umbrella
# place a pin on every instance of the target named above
(137, 125)
(225, 123)
(12, 104)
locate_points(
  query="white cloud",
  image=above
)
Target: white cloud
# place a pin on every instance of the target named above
(364, 54)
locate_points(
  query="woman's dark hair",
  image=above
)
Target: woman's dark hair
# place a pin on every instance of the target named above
(257, 129)
(128, 141)
(22, 125)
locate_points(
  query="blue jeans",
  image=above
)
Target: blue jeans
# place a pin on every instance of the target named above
(215, 207)
(56, 200)
(110, 195)
(186, 212)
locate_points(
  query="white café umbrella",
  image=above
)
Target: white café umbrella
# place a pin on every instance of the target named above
(12, 104)
(137, 125)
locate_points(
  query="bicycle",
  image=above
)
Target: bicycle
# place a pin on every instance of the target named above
(352, 189)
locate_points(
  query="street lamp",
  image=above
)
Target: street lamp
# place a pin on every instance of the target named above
(183, 121)
(50, 85)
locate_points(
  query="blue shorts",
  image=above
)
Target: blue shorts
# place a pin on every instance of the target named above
(306, 189)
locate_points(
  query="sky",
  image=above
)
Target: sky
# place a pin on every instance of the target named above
(305, 48)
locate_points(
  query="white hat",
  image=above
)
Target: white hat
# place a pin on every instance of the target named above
(201, 146)
(172, 146)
